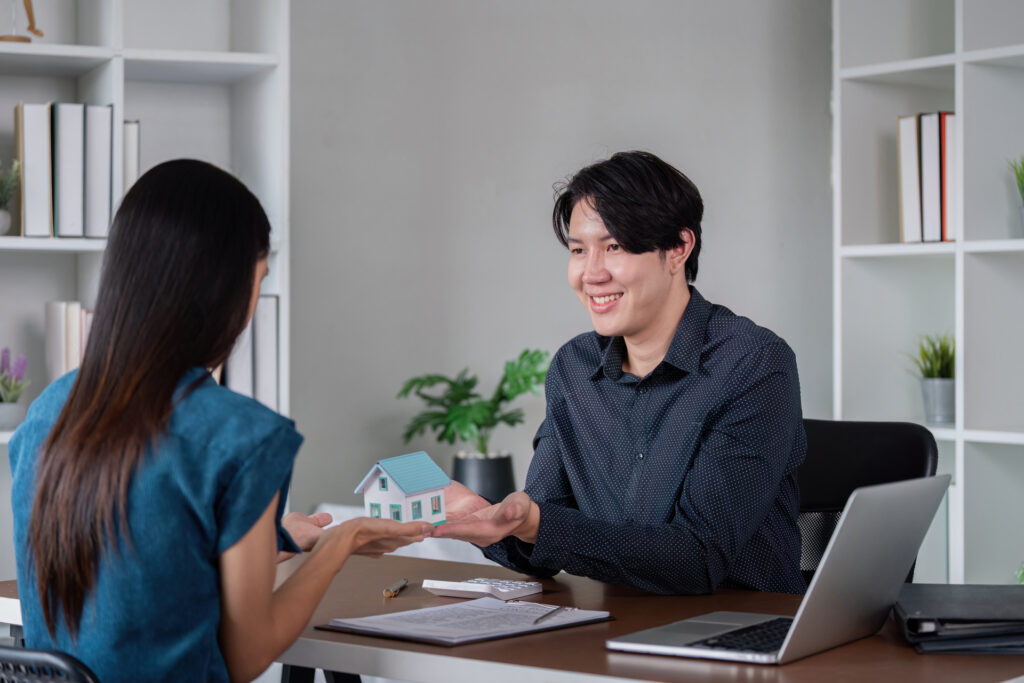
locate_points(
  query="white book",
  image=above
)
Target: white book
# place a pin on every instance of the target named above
(56, 339)
(931, 179)
(32, 139)
(910, 180)
(73, 330)
(98, 152)
(950, 214)
(86, 326)
(131, 154)
(68, 126)
(239, 366)
(264, 351)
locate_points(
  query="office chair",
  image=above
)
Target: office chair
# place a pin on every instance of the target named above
(844, 455)
(18, 665)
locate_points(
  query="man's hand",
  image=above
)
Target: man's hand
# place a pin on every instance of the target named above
(305, 530)
(517, 516)
(461, 502)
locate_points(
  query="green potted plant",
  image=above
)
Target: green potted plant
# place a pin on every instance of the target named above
(1018, 173)
(456, 412)
(12, 384)
(935, 362)
(8, 186)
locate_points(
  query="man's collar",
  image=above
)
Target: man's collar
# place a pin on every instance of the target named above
(684, 351)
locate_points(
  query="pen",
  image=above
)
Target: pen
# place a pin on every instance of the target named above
(392, 590)
(550, 613)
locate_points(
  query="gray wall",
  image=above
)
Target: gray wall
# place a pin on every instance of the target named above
(425, 140)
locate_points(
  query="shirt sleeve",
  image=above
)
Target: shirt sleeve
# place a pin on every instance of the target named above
(265, 470)
(726, 495)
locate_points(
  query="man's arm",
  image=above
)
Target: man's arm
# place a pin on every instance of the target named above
(729, 490)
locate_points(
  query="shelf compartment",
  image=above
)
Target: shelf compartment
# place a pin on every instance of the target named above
(891, 30)
(206, 25)
(993, 362)
(906, 298)
(177, 66)
(993, 544)
(870, 165)
(992, 209)
(992, 23)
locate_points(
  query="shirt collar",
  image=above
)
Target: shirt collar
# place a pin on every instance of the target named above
(684, 351)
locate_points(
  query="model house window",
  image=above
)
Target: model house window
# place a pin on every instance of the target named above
(383, 483)
(417, 509)
(396, 512)
(435, 504)
(375, 509)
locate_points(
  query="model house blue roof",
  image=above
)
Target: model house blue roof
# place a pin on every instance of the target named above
(412, 472)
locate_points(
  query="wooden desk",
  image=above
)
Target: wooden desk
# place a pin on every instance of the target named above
(578, 653)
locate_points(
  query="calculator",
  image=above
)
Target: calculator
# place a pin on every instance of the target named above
(503, 589)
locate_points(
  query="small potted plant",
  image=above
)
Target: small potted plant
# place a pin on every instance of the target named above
(456, 412)
(12, 384)
(934, 360)
(1018, 173)
(8, 186)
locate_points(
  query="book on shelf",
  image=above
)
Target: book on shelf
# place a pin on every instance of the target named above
(68, 126)
(238, 373)
(98, 168)
(132, 141)
(264, 351)
(931, 178)
(910, 179)
(32, 143)
(950, 214)
(67, 325)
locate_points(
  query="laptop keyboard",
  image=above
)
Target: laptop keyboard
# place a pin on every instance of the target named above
(764, 637)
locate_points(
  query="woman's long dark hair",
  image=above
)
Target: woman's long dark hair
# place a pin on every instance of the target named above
(174, 294)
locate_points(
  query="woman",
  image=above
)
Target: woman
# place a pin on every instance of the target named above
(147, 498)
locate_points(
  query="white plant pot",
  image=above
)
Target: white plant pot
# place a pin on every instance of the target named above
(5, 221)
(11, 415)
(938, 400)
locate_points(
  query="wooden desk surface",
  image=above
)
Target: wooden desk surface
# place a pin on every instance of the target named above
(357, 592)
(577, 653)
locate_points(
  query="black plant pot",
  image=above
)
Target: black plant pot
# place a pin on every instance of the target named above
(489, 476)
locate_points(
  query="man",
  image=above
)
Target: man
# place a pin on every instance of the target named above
(667, 458)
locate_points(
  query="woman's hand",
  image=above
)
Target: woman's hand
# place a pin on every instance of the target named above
(305, 530)
(374, 537)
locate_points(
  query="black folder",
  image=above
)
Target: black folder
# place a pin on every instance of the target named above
(962, 618)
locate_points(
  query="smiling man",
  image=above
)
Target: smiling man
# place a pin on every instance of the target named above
(667, 458)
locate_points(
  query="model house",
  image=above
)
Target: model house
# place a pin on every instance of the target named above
(406, 488)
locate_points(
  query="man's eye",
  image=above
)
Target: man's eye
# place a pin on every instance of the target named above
(614, 247)
(576, 250)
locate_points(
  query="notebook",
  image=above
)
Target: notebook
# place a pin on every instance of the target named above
(857, 582)
(466, 622)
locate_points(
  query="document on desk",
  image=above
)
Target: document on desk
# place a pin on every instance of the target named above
(466, 622)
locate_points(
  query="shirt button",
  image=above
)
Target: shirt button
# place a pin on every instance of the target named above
(641, 456)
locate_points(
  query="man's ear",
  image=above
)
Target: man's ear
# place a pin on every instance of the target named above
(678, 255)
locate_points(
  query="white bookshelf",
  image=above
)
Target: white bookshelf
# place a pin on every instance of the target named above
(897, 57)
(208, 79)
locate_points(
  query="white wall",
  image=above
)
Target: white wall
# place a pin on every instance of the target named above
(425, 140)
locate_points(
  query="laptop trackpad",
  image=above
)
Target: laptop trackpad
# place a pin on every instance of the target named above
(697, 628)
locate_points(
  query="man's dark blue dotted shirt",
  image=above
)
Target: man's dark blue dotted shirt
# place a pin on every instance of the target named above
(679, 482)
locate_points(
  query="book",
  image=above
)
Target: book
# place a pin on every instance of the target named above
(68, 158)
(931, 178)
(910, 179)
(950, 213)
(73, 335)
(56, 339)
(264, 351)
(961, 612)
(98, 164)
(32, 142)
(131, 150)
(466, 622)
(238, 369)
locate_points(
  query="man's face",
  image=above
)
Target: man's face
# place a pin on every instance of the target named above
(624, 293)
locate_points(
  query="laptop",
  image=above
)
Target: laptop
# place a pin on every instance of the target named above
(857, 582)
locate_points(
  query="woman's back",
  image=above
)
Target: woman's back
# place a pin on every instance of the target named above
(154, 611)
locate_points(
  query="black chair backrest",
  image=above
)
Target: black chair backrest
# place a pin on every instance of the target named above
(18, 665)
(845, 455)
